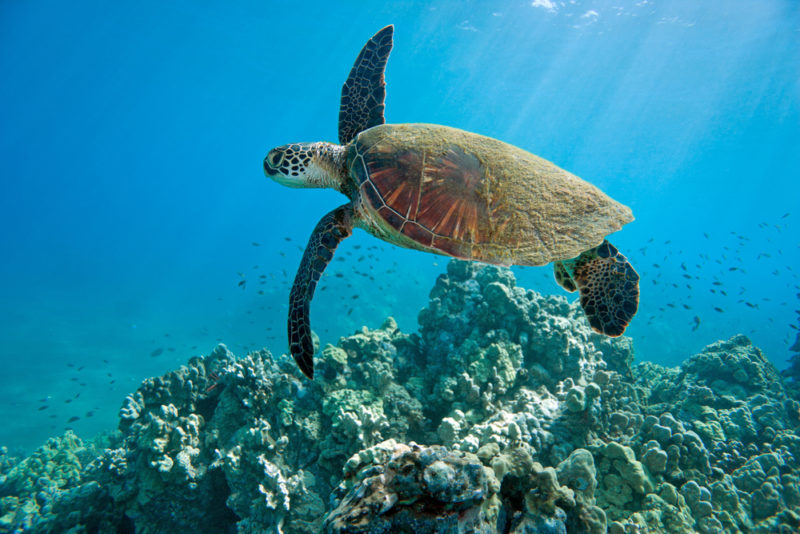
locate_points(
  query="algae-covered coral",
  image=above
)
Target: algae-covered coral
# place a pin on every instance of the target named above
(503, 413)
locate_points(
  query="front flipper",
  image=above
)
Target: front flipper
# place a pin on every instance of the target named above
(329, 232)
(608, 285)
(364, 92)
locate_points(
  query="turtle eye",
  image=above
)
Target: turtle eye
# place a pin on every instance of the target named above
(275, 158)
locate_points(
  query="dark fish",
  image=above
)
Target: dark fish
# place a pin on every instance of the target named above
(73, 419)
(287, 238)
(43, 407)
(696, 323)
(706, 235)
(242, 283)
(156, 352)
(683, 266)
(785, 215)
(717, 309)
(256, 244)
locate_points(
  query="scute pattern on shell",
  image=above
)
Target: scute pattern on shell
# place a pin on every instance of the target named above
(433, 199)
(461, 194)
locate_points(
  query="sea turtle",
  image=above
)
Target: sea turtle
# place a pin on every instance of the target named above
(451, 192)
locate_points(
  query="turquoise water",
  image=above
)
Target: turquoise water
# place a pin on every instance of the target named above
(134, 204)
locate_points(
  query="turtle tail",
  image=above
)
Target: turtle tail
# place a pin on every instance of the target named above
(329, 232)
(608, 286)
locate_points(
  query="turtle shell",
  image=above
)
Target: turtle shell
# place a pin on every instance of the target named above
(444, 190)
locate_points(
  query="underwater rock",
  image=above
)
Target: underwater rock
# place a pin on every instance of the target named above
(415, 489)
(530, 423)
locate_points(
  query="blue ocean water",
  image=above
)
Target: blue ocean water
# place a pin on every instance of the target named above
(133, 203)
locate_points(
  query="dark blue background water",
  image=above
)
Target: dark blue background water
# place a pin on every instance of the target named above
(131, 141)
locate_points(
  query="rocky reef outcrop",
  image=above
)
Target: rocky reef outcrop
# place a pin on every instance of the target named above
(503, 413)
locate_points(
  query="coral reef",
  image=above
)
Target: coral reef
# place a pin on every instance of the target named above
(503, 413)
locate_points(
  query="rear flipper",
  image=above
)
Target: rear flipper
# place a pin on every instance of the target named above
(608, 285)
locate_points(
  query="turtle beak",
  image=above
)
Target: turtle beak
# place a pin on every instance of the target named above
(269, 171)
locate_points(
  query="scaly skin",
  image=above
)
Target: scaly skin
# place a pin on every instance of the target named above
(329, 232)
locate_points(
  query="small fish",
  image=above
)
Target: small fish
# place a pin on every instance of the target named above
(785, 215)
(696, 323)
(256, 244)
(718, 309)
(156, 352)
(706, 235)
(43, 407)
(73, 419)
(242, 283)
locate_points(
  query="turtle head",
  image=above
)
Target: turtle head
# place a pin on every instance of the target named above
(306, 165)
